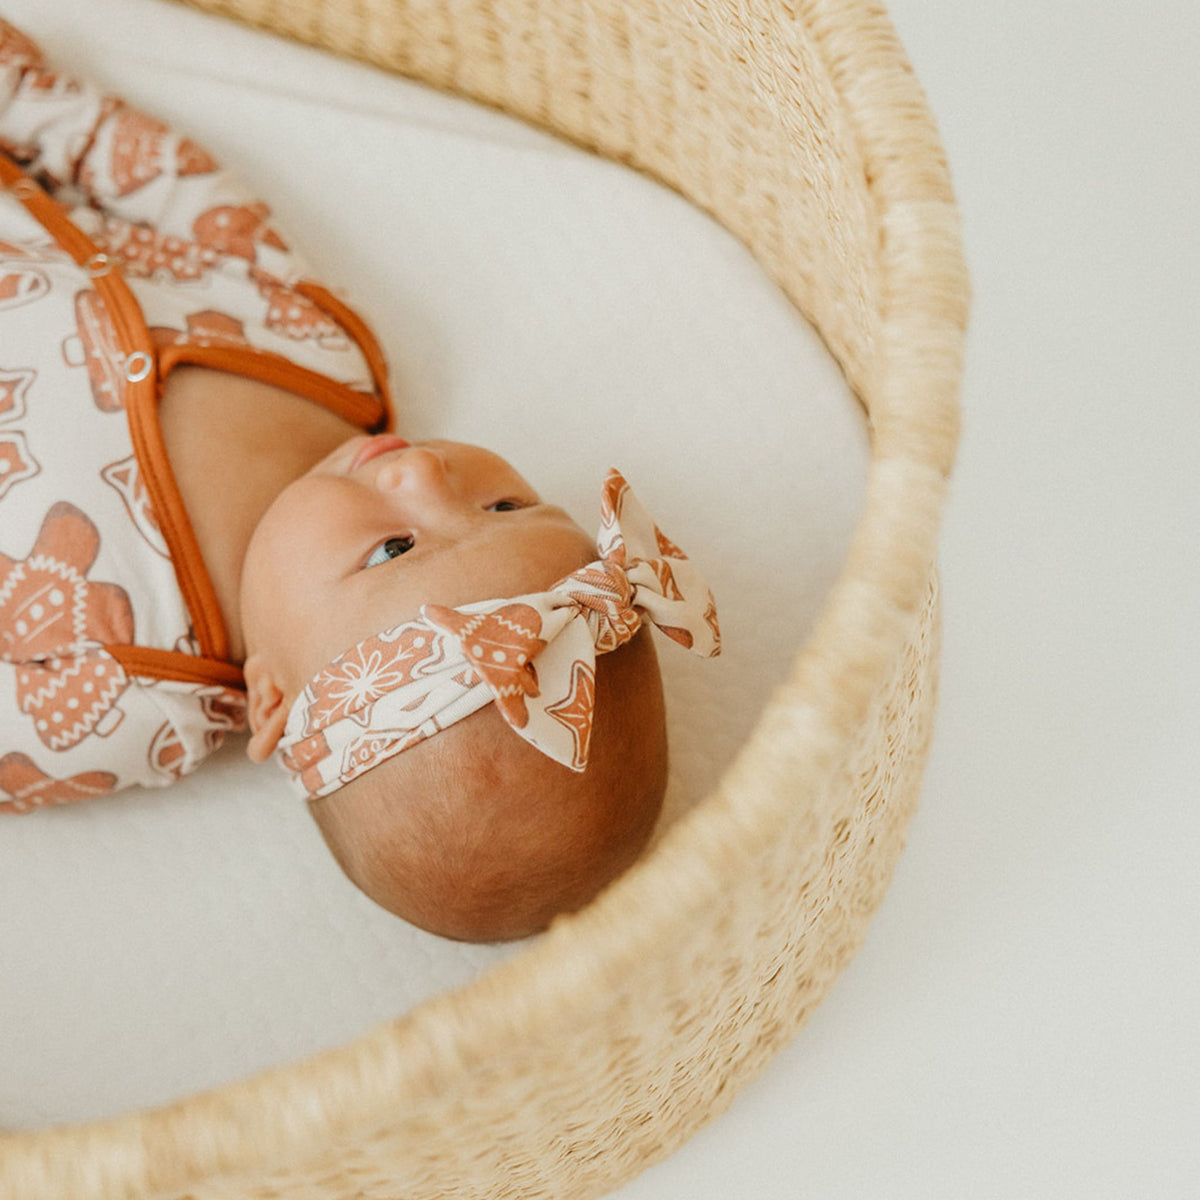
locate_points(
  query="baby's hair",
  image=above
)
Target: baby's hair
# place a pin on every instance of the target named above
(476, 835)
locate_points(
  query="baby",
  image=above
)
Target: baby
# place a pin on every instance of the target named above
(204, 525)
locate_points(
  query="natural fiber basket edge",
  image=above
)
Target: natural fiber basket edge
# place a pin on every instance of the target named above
(565, 1071)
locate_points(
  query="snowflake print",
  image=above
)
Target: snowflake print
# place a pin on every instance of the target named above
(367, 671)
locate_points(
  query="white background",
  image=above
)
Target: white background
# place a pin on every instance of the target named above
(1024, 1020)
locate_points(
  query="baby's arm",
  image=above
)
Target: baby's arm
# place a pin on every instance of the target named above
(88, 148)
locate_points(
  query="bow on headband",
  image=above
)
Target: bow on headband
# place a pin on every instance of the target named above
(533, 655)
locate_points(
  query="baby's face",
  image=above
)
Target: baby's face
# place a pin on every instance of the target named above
(381, 526)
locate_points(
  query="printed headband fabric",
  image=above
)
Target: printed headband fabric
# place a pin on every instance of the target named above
(533, 655)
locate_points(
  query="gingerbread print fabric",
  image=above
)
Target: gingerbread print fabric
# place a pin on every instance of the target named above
(84, 564)
(533, 656)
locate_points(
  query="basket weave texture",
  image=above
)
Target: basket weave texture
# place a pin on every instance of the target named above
(563, 1072)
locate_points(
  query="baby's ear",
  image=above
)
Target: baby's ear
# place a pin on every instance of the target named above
(265, 708)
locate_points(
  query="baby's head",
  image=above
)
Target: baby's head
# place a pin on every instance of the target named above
(473, 833)
(477, 835)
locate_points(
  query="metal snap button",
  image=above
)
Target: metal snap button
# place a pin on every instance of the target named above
(138, 365)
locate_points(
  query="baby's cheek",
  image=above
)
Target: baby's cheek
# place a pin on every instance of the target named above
(303, 526)
(278, 568)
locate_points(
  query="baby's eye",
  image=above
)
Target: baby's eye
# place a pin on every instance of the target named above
(505, 506)
(392, 548)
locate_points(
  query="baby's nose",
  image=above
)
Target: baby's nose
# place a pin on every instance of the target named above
(417, 471)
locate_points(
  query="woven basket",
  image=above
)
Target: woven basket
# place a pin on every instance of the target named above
(565, 1071)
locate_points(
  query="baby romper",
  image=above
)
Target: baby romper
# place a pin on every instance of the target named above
(125, 250)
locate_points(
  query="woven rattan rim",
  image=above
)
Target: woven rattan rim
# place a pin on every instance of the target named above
(686, 976)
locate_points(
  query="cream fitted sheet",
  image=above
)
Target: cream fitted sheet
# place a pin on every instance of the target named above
(529, 298)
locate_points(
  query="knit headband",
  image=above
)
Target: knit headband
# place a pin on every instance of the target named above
(533, 655)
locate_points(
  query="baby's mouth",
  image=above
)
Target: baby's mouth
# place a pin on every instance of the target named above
(381, 443)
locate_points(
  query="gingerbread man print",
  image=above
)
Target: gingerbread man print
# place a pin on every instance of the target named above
(501, 647)
(54, 623)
